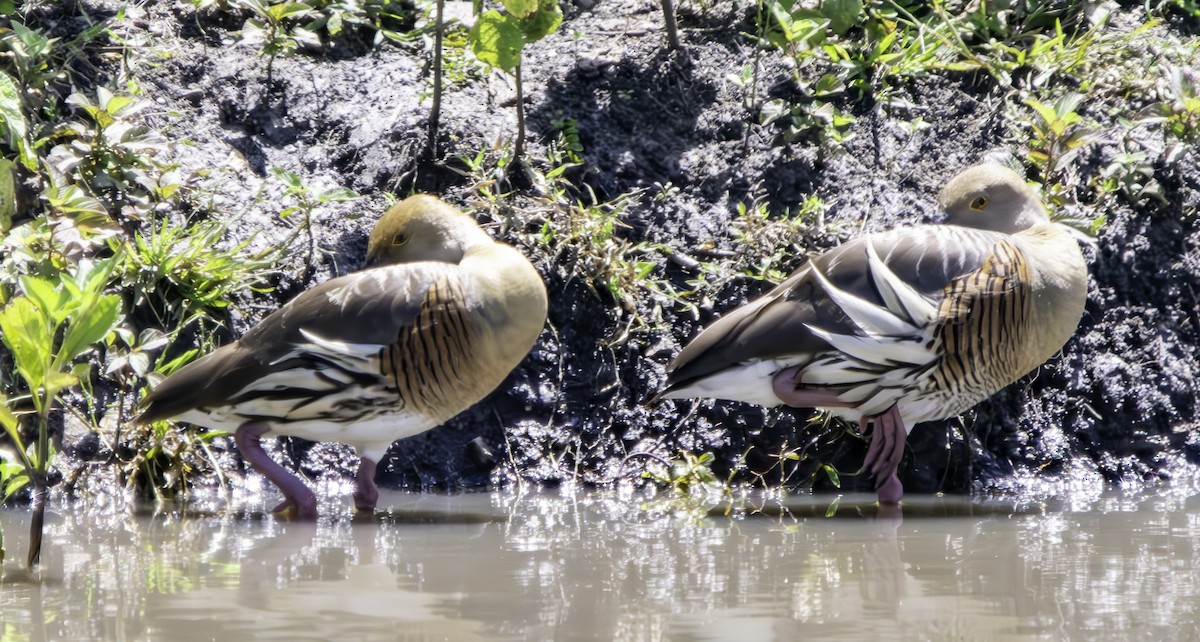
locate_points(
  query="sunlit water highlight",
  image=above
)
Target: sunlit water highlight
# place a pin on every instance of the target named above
(613, 566)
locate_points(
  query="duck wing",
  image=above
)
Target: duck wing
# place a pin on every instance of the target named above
(330, 337)
(890, 284)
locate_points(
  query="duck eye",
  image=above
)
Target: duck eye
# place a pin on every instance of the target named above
(399, 239)
(979, 203)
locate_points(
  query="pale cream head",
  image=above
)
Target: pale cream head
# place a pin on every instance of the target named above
(422, 228)
(990, 196)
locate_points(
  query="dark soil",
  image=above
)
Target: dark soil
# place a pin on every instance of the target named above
(1121, 400)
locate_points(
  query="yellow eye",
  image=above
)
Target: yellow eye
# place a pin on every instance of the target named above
(979, 203)
(399, 239)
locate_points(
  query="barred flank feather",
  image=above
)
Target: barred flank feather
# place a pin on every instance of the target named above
(429, 363)
(984, 317)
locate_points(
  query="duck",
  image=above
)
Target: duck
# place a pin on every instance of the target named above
(894, 328)
(436, 320)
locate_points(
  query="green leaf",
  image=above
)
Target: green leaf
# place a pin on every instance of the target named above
(497, 40)
(117, 104)
(16, 483)
(832, 474)
(90, 326)
(280, 12)
(293, 181)
(29, 337)
(1043, 110)
(49, 297)
(8, 194)
(842, 14)
(520, 8)
(338, 194)
(544, 22)
(72, 200)
(55, 382)
(13, 120)
(7, 418)
(832, 509)
(882, 46)
(334, 24)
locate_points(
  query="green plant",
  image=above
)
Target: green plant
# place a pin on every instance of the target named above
(766, 242)
(333, 17)
(768, 246)
(1132, 175)
(46, 329)
(1179, 111)
(1186, 7)
(498, 39)
(88, 171)
(271, 29)
(32, 57)
(824, 122)
(111, 155)
(1056, 135)
(307, 203)
(586, 237)
(15, 125)
(164, 458)
(183, 273)
(847, 48)
(685, 474)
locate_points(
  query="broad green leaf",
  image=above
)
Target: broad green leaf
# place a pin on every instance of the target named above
(29, 337)
(8, 194)
(257, 6)
(90, 326)
(7, 418)
(103, 96)
(117, 104)
(72, 200)
(102, 118)
(496, 39)
(55, 382)
(49, 297)
(832, 509)
(1043, 110)
(139, 363)
(833, 476)
(842, 14)
(15, 483)
(520, 8)
(281, 12)
(543, 22)
(338, 194)
(92, 278)
(334, 24)
(13, 120)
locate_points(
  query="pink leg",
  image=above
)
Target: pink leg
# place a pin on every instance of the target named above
(788, 389)
(366, 495)
(296, 495)
(884, 453)
(887, 442)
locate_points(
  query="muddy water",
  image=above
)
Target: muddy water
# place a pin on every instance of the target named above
(613, 567)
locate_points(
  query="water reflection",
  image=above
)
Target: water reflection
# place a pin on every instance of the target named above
(610, 566)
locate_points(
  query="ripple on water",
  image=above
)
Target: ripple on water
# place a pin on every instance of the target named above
(620, 565)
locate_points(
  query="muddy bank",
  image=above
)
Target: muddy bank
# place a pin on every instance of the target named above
(682, 143)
